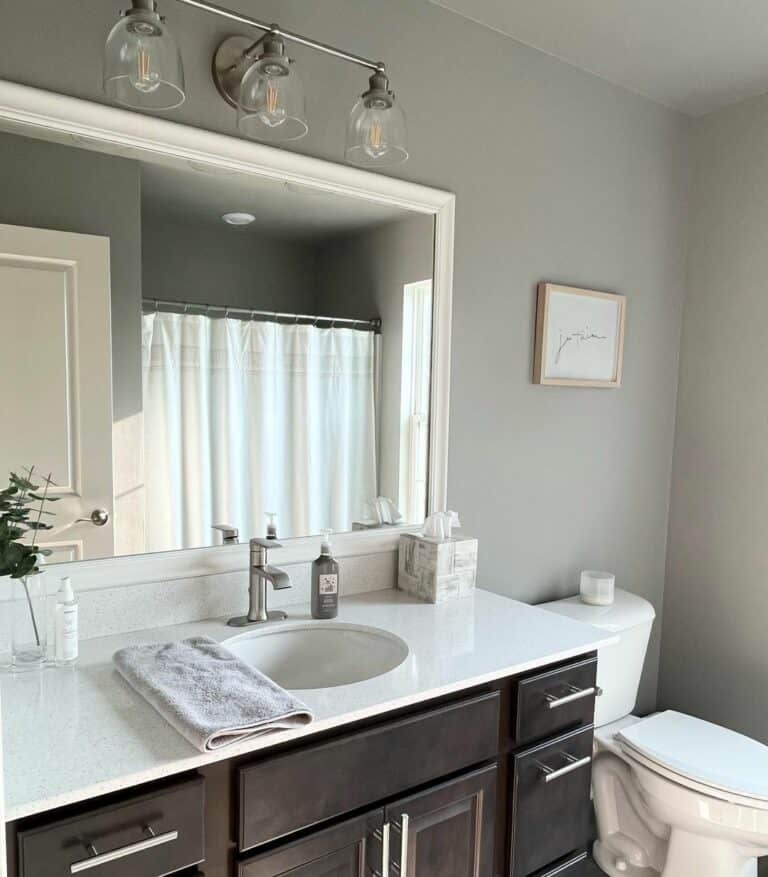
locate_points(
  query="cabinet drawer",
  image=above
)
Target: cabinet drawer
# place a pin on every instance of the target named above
(555, 701)
(295, 791)
(550, 801)
(569, 866)
(146, 835)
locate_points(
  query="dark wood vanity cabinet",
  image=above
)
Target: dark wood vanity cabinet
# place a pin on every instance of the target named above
(492, 782)
(446, 830)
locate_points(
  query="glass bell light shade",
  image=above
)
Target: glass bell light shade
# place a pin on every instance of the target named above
(376, 130)
(142, 63)
(271, 104)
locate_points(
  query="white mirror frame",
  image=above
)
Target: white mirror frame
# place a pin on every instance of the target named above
(70, 121)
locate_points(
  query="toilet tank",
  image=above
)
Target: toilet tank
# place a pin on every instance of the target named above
(619, 666)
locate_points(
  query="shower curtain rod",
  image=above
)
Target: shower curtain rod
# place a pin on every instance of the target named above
(150, 304)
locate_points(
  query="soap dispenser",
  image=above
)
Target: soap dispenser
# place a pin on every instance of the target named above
(325, 581)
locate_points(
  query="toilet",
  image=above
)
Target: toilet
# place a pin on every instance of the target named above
(674, 795)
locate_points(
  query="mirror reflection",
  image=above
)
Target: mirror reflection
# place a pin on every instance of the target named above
(200, 357)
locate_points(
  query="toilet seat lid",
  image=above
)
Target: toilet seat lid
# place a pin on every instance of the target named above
(701, 751)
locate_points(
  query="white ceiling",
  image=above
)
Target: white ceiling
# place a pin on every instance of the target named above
(692, 55)
(282, 210)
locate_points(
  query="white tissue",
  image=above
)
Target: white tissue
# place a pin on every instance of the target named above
(440, 525)
(383, 510)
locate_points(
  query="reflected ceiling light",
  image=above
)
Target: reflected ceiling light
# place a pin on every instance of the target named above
(376, 130)
(238, 218)
(142, 69)
(142, 64)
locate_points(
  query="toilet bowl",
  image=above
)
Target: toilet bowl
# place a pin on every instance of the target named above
(674, 795)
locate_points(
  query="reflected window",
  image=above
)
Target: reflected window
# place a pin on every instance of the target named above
(414, 395)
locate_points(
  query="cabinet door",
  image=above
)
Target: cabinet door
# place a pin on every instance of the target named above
(351, 849)
(447, 830)
(550, 801)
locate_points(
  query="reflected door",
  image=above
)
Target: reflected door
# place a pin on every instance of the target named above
(55, 359)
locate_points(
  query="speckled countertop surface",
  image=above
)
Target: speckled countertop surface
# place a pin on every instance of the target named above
(75, 733)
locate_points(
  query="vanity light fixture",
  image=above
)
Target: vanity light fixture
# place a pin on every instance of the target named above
(270, 105)
(376, 131)
(143, 68)
(142, 63)
(238, 218)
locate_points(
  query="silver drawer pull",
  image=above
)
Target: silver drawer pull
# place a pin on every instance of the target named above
(551, 773)
(382, 836)
(574, 693)
(402, 830)
(96, 858)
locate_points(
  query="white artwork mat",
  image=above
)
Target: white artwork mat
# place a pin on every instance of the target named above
(582, 337)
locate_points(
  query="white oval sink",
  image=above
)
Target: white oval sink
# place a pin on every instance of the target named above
(319, 655)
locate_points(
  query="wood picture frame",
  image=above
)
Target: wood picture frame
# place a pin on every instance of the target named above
(579, 337)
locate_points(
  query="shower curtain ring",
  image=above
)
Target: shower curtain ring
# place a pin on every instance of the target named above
(186, 308)
(157, 305)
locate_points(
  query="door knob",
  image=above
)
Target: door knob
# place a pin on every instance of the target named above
(98, 517)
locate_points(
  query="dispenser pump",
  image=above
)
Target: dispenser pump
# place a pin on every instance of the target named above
(325, 545)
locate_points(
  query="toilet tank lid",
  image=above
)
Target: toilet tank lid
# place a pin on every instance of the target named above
(626, 611)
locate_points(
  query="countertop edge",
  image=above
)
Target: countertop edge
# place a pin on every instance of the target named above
(261, 744)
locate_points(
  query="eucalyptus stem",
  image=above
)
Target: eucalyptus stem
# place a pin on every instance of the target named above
(31, 611)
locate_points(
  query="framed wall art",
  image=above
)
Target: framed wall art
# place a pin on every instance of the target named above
(579, 337)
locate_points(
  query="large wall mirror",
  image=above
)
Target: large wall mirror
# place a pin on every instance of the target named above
(204, 353)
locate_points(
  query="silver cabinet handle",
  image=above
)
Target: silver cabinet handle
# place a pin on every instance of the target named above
(553, 701)
(402, 829)
(98, 517)
(550, 773)
(96, 858)
(382, 836)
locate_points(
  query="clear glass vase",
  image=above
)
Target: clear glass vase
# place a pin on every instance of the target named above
(29, 622)
(6, 622)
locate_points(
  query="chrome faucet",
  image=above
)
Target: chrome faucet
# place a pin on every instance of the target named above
(261, 573)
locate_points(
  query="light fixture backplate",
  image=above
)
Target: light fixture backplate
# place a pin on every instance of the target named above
(229, 65)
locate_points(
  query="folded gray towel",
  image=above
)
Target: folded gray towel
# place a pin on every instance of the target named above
(209, 696)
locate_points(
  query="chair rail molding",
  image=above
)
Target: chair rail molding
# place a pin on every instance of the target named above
(71, 121)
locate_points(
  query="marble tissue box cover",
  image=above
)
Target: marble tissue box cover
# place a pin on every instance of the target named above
(437, 571)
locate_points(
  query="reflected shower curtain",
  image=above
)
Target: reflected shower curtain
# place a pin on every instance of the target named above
(242, 418)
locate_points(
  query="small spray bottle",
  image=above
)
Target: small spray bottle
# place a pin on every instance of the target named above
(325, 581)
(66, 646)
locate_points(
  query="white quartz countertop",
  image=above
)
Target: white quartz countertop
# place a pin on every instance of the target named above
(71, 734)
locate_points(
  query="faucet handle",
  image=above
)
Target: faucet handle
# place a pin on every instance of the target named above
(265, 543)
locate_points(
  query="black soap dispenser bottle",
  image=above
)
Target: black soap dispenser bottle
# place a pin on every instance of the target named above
(325, 581)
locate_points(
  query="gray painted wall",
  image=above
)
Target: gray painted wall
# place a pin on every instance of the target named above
(715, 648)
(216, 264)
(363, 276)
(565, 177)
(46, 185)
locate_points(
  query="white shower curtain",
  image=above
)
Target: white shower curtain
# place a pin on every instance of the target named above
(242, 418)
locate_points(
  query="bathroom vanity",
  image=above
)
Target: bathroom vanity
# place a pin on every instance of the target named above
(471, 758)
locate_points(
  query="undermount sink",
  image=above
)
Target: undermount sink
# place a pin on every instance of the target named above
(320, 654)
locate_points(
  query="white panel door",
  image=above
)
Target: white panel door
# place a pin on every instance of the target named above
(56, 363)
